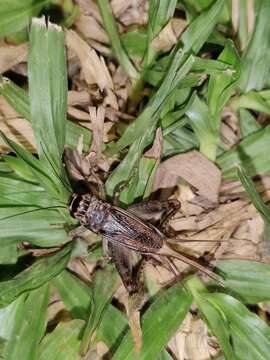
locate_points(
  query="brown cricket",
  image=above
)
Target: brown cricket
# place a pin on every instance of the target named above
(125, 231)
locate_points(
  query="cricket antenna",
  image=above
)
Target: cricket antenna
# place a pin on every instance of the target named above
(59, 177)
(33, 210)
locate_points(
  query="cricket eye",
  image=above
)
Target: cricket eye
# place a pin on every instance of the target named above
(75, 202)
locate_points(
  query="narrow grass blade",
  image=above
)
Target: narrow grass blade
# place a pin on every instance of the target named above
(79, 301)
(256, 58)
(16, 15)
(250, 335)
(66, 336)
(200, 29)
(104, 286)
(111, 28)
(129, 165)
(248, 280)
(254, 195)
(248, 123)
(25, 327)
(34, 165)
(249, 154)
(221, 86)
(202, 124)
(34, 276)
(214, 319)
(252, 100)
(159, 323)
(179, 67)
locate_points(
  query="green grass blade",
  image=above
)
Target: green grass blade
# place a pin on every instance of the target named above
(252, 100)
(200, 29)
(104, 286)
(111, 28)
(249, 154)
(221, 86)
(48, 96)
(248, 123)
(26, 328)
(179, 67)
(34, 276)
(66, 336)
(256, 58)
(34, 165)
(214, 319)
(254, 195)
(250, 335)
(8, 255)
(159, 323)
(78, 300)
(202, 124)
(16, 15)
(248, 280)
(126, 168)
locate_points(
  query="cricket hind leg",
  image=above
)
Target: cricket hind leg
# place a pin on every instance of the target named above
(150, 210)
(169, 253)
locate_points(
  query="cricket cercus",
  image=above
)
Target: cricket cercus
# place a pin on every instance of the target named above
(125, 231)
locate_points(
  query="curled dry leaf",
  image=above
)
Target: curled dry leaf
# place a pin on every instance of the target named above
(11, 56)
(82, 167)
(88, 26)
(94, 69)
(169, 35)
(156, 150)
(206, 179)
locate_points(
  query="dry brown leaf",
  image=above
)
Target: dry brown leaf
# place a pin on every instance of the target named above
(194, 168)
(81, 98)
(94, 68)
(155, 151)
(89, 27)
(130, 12)
(11, 56)
(20, 131)
(169, 35)
(97, 117)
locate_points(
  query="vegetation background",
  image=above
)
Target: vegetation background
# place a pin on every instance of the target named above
(172, 98)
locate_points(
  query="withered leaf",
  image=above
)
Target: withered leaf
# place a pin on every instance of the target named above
(194, 168)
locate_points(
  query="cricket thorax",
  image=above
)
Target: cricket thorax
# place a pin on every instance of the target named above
(90, 211)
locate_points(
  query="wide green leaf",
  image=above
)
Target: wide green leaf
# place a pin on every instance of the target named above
(104, 285)
(66, 336)
(48, 97)
(34, 276)
(249, 280)
(16, 14)
(23, 328)
(250, 336)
